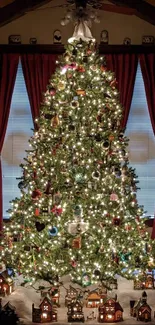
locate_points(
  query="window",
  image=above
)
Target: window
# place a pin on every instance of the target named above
(16, 141)
(142, 146)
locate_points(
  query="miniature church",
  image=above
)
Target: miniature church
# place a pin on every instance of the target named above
(140, 309)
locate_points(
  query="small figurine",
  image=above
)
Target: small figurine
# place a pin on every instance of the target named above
(104, 39)
(33, 40)
(127, 41)
(14, 39)
(57, 37)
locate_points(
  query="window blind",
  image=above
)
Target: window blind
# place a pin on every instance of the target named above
(142, 146)
(18, 132)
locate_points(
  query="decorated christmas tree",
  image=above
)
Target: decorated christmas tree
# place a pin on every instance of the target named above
(78, 213)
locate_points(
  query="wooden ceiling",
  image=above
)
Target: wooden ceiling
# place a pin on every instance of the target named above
(13, 9)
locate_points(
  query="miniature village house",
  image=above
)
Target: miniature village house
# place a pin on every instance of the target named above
(140, 309)
(53, 294)
(71, 295)
(8, 314)
(47, 312)
(75, 312)
(94, 299)
(6, 284)
(110, 311)
(145, 281)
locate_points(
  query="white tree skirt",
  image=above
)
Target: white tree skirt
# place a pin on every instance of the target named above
(23, 298)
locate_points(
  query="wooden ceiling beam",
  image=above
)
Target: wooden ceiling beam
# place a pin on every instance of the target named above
(18, 8)
(143, 9)
(117, 9)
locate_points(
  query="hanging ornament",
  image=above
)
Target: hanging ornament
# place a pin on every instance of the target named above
(77, 211)
(106, 144)
(55, 121)
(57, 198)
(99, 118)
(36, 194)
(75, 103)
(128, 227)
(124, 256)
(86, 280)
(48, 188)
(98, 137)
(39, 226)
(65, 114)
(93, 67)
(75, 228)
(79, 178)
(96, 174)
(101, 250)
(85, 59)
(73, 66)
(48, 116)
(111, 137)
(37, 212)
(57, 210)
(67, 57)
(116, 221)
(80, 68)
(71, 127)
(76, 243)
(52, 91)
(97, 273)
(10, 271)
(113, 83)
(45, 210)
(74, 263)
(113, 197)
(103, 68)
(27, 248)
(21, 185)
(61, 85)
(117, 172)
(53, 231)
(81, 92)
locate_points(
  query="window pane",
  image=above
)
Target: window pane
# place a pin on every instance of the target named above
(142, 146)
(16, 141)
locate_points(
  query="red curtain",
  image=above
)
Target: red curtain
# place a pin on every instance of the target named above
(147, 62)
(37, 70)
(125, 67)
(8, 75)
